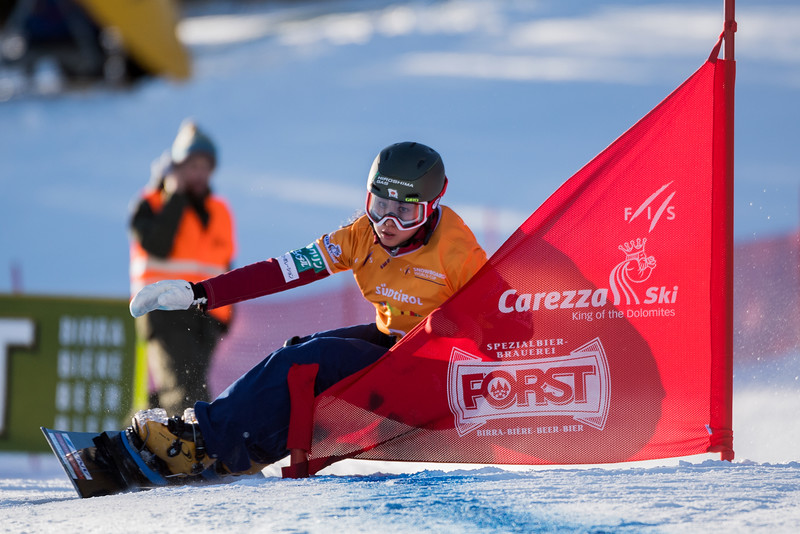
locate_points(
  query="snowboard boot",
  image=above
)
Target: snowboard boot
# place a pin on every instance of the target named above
(175, 441)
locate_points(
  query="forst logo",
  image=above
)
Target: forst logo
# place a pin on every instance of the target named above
(572, 385)
(501, 389)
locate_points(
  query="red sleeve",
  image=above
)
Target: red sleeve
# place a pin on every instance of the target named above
(253, 281)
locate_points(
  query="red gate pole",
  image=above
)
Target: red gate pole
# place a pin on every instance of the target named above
(722, 319)
(730, 79)
(730, 29)
(721, 416)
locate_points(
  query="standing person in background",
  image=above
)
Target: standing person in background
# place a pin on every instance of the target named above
(180, 229)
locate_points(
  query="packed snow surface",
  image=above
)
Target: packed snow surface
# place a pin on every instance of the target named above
(725, 497)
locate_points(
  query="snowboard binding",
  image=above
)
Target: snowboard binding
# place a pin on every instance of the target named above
(172, 446)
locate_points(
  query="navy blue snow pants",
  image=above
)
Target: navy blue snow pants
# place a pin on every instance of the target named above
(250, 419)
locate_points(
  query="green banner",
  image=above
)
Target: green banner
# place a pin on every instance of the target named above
(65, 363)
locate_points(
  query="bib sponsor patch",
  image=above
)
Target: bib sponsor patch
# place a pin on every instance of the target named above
(295, 262)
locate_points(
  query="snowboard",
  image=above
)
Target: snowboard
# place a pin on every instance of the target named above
(108, 463)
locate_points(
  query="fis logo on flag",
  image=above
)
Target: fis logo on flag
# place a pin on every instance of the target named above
(665, 209)
(575, 385)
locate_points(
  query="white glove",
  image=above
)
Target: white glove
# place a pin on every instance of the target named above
(163, 295)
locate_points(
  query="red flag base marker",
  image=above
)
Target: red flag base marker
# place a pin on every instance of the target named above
(301, 393)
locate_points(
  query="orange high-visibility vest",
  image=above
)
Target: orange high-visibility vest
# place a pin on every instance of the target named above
(197, 253)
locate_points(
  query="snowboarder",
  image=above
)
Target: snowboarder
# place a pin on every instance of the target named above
(408, 255)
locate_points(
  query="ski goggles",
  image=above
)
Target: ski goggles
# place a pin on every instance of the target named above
(405, 215)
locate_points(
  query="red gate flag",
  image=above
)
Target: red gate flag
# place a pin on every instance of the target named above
(595, 334)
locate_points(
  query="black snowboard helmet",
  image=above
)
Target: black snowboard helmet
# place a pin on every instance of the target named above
(407, 172)
(405, 185)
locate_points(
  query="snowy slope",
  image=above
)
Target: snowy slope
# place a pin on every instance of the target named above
(716, 496)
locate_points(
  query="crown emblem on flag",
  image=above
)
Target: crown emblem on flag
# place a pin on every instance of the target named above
(633, 249)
